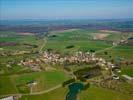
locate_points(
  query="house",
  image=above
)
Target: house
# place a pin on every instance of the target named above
(8, 98)
(31, 83)
(114, 44)
(115, 77)
(128, 78)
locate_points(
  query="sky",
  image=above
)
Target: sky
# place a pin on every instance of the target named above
(66, 9)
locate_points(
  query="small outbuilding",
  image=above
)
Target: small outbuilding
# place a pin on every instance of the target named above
(8, 98)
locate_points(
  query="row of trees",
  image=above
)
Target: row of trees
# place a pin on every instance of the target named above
(88, 72)
(68, 82)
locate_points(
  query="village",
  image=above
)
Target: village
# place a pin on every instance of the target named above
(50, 58)
(55, 58)
(79, 58)
(98, 71)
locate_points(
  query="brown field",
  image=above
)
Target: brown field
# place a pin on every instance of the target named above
(109, 31)
(8, 43)
(25, 33)
(100, 36)
(63, 30)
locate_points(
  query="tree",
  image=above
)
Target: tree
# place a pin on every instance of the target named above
(106, 53)
(112, 60)
(68, 82)
(86, 86)
(92, 51)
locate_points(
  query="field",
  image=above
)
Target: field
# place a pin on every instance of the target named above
(93, 93)
(15, 78)
(45, 80)
(124, 52)
(18, 83)
(127, 71)
(59, 94)
(7, 86)
(81, 40)
(21, 42)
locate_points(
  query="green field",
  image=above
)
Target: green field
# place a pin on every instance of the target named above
(127, 71)
(45, 80)
(58, 94)
(92, 93)
(80, 39)
(95, 93)
(7, 86)
(20, 40)
(124, 52)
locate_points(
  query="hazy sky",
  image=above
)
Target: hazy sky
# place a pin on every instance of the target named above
(56, 9)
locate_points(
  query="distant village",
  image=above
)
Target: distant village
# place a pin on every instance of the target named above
(79, 58)
(55, 58)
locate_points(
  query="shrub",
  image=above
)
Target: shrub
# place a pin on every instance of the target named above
(68, 82)
(70, 46)
(86, 86)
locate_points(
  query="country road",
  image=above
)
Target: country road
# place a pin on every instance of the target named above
(105, 49)
(35, 93)
(43, 45)
(45, 91)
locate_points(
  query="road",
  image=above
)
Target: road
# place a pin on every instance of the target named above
(105, 49)
(43, 45)
(35, 93)
(45, 91)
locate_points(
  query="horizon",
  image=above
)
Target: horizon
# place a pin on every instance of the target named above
(61, 19)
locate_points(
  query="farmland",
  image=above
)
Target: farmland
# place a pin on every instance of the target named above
(22, 52)
(18, 83)
(99, 94)
(80, 39)
(93, 92)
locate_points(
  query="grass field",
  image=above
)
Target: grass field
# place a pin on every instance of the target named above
(80, 39)
(7, 86)
(127, 71)
(117, 36)
(18, 83)
(45, 80)
(114, 37)
(124, 52)
(20, 40)
(92, 93)
(58, 94)
(95, 93)
(7, 33)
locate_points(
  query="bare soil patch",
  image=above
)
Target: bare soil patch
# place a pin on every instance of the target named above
(8, 43)
(100, 36)
(64, 30)
(109, 31)
(25, 33)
